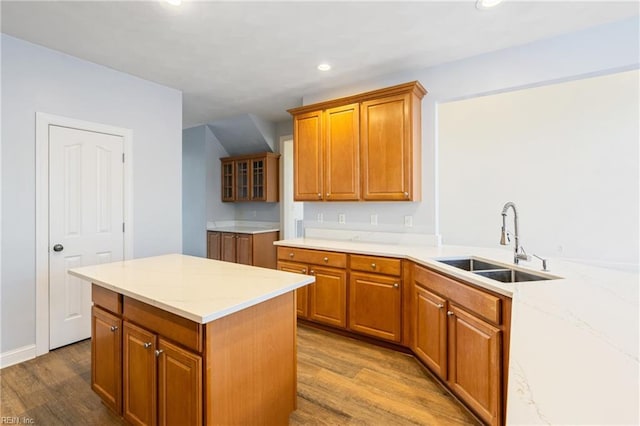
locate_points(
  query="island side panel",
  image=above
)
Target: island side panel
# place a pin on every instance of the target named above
(251, 365)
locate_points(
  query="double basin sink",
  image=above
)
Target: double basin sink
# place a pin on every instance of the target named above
(494, 271)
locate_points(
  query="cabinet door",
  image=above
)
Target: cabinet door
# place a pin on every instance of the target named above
(302, 294)
(475, 363)
(342, 153)
(179, 386)
(386, 148)
(307, 157)
(328, 296)
(243, 176)
(228, 181)
(228, 246)
(244, 249)
(213, 245)
(374, 305)
(139, 377)
(430, 330)
(106, 358)
(258, 179)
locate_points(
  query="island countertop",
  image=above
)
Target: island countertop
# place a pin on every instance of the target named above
(195, 288)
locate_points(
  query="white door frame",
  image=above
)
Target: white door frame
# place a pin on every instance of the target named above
(43, 121)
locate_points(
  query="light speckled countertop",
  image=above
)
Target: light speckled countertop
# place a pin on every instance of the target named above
(196, 288)
(574, 341)
(242, 229)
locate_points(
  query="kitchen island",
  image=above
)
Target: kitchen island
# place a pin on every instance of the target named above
(184, 340)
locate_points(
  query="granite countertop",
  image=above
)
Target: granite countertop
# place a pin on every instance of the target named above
(574, 340)
(195, 288)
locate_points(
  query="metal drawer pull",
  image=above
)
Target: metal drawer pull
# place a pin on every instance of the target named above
(158, 352)
(395, 285)
(312, 272)
(440, 305)
(290, 254)
(114, 327)
(449, 313)
(147, 345)
(373, 265)
(326, 259)
(304, 271)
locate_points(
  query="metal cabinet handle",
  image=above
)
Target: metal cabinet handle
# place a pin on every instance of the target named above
(158, 352)
(326, 259)
(290, 254)
(304, 271)
(373, 266)
(147, 345)
(449, 313)
(406, 195)
(328, 194)
(319, 195)
(312, 272)
(114, 327)
(440, 305)
(396, 285)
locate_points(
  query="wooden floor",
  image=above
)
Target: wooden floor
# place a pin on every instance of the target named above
(341, 381)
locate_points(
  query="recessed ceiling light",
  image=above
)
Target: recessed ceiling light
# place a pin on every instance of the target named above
(324, 67)
(174, 2)
(487, 4)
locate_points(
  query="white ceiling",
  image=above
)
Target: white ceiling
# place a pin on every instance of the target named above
(239, 57)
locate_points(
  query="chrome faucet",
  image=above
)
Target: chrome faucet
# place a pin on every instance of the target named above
(518, 253)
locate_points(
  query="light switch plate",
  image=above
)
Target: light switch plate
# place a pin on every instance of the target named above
(374, 219)
(342, 218)
(320, 218)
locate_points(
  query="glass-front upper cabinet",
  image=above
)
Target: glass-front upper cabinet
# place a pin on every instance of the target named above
(242, 180)
(228, 193)
(250, 177)
(257, 179)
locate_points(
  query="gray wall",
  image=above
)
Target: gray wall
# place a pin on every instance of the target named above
(39, 79)
(600, 50)
(194, 191)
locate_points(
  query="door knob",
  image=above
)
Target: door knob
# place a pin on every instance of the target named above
(58, 247)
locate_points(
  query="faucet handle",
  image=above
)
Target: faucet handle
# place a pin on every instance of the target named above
(522, 255)
(544, 262)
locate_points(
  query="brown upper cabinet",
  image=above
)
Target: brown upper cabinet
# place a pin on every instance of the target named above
(250, 177)
(364, 147)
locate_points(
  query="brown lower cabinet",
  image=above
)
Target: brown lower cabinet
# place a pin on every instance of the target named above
(459, 331)
(148, 365)
(248, 249)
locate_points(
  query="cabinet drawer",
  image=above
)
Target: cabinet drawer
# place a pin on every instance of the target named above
(106, 299)
(484, 304)
(315, 257)
(380, 265)
(166, 324)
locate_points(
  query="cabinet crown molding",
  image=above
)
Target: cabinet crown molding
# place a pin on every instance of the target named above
(412, 87)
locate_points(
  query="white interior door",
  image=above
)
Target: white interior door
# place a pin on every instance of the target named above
(85, 222)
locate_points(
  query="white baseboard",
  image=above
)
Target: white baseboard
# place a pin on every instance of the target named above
(17, 355)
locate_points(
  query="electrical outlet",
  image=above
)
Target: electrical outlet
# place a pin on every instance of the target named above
(374, 219)
(408, 221)
(342, 218)
(320, 218)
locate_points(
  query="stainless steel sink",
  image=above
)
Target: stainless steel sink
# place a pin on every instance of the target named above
(511, 276)
(471, 264)
(494, 271)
